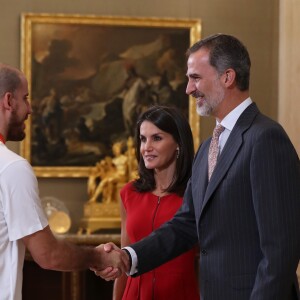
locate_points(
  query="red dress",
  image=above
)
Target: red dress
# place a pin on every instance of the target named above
(175, 279)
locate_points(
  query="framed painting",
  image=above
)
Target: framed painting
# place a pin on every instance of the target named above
(90, 76)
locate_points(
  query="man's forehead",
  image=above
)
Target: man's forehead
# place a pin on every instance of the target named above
(202, 55)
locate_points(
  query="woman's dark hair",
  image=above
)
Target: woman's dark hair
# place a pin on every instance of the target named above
(226, 51)
(172, 121)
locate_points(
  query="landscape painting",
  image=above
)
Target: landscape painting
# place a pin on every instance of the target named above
(89, 79)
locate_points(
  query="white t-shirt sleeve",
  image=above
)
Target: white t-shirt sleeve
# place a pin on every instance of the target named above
(24, 214)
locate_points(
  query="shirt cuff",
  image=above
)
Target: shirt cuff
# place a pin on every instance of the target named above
(134, 261)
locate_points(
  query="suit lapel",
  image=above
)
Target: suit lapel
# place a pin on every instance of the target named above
(200, 177)
(230, 151)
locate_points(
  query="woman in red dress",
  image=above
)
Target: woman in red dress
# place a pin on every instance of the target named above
(165, 151)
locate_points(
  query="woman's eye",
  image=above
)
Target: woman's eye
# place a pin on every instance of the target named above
(157, 138)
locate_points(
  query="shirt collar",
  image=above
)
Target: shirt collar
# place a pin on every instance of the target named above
(229, 121)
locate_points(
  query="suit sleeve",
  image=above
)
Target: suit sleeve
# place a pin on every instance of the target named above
(172, 239)
(275, 181)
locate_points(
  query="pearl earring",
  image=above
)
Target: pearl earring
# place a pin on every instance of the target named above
(178, 152)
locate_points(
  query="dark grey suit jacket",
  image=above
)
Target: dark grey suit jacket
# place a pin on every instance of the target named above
(246, 219)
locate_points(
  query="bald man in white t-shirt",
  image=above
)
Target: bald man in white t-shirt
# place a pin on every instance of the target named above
(22, 220)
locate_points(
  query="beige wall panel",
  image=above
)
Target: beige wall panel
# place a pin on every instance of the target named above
(289, 69)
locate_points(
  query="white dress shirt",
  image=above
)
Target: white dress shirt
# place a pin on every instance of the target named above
(229, 121)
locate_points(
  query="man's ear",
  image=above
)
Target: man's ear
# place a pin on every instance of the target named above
(229, 77)
(7, 100)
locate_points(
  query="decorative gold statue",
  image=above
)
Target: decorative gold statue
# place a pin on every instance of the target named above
(103, 187)
(111, 173)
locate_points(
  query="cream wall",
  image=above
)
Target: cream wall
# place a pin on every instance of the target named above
(289, 72)
(254, 22)
(289, 69)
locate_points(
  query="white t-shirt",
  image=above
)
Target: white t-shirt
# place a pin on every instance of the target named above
(21, 214)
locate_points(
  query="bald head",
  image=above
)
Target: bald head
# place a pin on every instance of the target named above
(10, 79)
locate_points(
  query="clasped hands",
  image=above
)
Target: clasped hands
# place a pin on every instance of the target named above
(115, 262)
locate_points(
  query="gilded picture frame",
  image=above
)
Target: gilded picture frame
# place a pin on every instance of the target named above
(84, 73)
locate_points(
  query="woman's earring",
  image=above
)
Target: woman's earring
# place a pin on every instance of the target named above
(178, 152)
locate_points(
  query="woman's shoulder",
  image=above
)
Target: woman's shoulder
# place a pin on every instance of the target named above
(128, 188)
(128, 193)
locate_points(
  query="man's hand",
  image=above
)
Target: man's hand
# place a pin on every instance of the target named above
(115, 262)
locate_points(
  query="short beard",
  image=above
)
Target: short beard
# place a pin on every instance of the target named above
(15, 132)
(204, 110)
(208, 107)
(16, 135)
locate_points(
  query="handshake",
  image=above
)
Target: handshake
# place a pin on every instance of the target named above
(113, 262)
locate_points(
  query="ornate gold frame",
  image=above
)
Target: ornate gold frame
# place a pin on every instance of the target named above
(27, 23)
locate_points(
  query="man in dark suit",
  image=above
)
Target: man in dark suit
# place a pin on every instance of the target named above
(246, 216)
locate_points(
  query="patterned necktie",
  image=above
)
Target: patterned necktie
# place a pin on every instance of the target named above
(214, 149)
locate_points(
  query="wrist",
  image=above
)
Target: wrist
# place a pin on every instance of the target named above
(129, 258)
